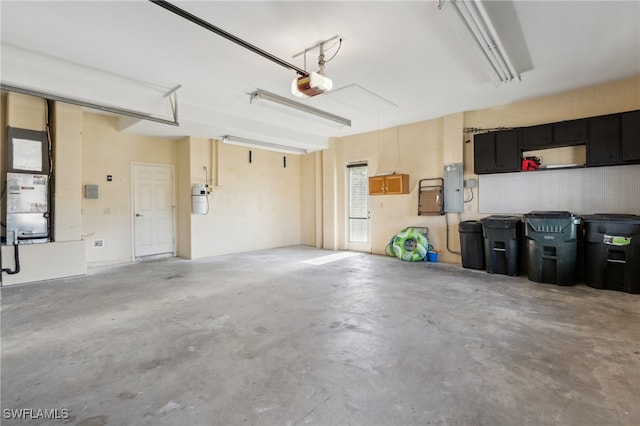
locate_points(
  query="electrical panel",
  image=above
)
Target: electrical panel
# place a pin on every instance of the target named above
(453, 188)
(27, 208)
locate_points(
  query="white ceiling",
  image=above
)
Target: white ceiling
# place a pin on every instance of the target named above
(400, 62)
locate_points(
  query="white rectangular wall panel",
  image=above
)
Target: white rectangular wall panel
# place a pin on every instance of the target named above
(583, 191)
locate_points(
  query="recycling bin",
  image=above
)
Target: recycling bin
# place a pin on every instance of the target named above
(471, 244)
(612, 252)
(552, 243)
(502, 239)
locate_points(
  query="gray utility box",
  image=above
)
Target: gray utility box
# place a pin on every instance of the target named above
(453, 185)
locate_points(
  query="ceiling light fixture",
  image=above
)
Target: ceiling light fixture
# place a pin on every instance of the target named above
(472, 23)
(252, 143)
(262, 96)
(314, 83)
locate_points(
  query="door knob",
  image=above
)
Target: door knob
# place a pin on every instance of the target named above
(138, 215)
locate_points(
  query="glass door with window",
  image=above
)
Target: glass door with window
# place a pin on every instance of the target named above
(358, 207)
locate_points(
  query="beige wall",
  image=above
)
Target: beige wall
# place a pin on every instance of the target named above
(107, 151)
(421, 150)
(67, 147)
(252, 206)
(619, 96)
(417, 150)
(308, 190)
(183, 195)
(3, 146)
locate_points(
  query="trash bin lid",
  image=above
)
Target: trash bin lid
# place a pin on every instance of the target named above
(611, 217)
(502, 219)
(550, 214)
(470, 226)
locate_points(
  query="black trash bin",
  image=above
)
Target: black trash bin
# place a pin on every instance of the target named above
(502, 239)
(612, 252)
(552, 245)
(471, 244)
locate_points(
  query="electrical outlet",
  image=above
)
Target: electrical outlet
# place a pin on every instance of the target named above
(98, 243)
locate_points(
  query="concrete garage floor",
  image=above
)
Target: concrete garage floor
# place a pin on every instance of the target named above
(264, 338)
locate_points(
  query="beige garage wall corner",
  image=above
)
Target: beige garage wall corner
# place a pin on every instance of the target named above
(308, 198)
(183, 197)
(107, 151)
(416, 149)
(329, 196)
(256, 206)
(67, 156)
(3, 143)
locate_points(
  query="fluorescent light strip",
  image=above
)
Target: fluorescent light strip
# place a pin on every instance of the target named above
(251, 143)
(263, 95)
(483, 38)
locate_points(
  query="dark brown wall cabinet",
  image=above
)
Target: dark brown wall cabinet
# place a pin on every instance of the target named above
(556, 135)
(496, 152)
(536, 137)
(631, 136)
(610, 140)
(604, 140)
(570, 132)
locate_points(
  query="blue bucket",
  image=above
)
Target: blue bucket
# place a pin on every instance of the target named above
(432, 256)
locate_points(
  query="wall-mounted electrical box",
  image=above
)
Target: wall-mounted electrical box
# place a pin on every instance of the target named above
(453, 188)
(91, 191)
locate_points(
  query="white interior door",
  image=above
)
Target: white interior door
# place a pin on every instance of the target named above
(153, 209)
(357, 237)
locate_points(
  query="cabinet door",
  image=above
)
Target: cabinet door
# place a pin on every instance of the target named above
(570, 131)
(484, 153)
(397, 184)
(604, 140)
(376, 185)
(507, 157)
(631, 136)
(536, 137)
